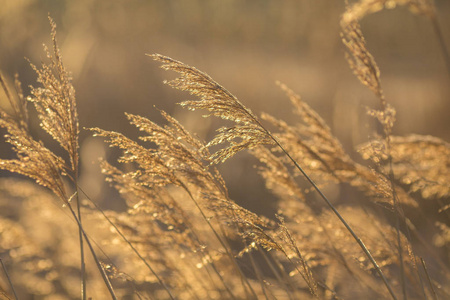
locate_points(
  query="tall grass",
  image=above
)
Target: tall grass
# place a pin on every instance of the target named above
(183, 237)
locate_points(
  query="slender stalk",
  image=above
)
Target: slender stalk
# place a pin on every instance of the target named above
(94, 255)
(9, 279)
(132, 247)
(284, 282)
(397, 219)
(440, 37)
(82, 256)
(258, 275)
(322, 195)
(200, 253)
(217, 236)
(435, 297)
(331, 206)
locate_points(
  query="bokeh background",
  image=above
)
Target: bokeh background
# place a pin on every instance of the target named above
(244, 45)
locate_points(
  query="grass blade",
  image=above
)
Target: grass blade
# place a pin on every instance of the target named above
(435, 297)
(9, 279)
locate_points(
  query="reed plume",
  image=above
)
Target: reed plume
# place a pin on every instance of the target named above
(56, 108)
(248, 130)
(34, 160)
(245, 134)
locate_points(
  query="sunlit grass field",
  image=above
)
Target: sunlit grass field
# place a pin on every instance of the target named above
(224, 149)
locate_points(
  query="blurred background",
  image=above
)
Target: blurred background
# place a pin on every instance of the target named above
(245, 46)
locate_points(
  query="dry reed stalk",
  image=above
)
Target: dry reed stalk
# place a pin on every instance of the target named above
(387, 153)
(116, 228)
(177, 161)
(327, 161)
(427, 8)
(366, 70)
(247, 133)
(9, 280)
(56, 108)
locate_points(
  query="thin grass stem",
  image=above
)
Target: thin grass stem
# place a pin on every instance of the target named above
(131, 246)
(82, 256)
(284, 282)
(94, 255)
(331, 206)
(258, 275)
(218, 238)
(397, 220)
(435, 297)
(9, 279)
(440, 37)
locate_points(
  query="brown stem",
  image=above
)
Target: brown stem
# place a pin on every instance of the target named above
(94, 255)
(9, 279)
(440, 37)
(82, 258)
(331, 206)
(435, 297)
(132, 247)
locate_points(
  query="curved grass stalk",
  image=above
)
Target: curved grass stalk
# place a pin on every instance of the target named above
(94, 255)
(9, 279)
(435, 297)
(335, 211)
(131, 246)
(248, 129)
(222, 242)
